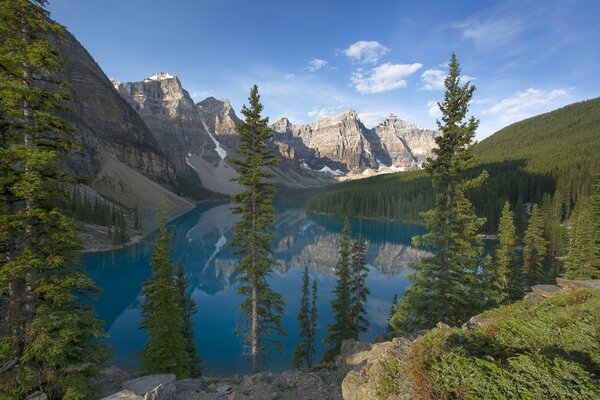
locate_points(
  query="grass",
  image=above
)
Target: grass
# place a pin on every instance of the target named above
(527, 350)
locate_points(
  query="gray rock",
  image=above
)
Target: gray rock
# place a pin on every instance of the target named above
(162, 392)
(343, 143)
(190, 384)
(571, 284)
(223, 389)
(123, 395)
(545, 290)
(145, 384)
(37, 396)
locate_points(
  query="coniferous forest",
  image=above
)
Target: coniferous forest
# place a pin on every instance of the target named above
(498, 278)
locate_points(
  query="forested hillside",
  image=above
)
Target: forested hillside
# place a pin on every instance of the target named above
(552, 153)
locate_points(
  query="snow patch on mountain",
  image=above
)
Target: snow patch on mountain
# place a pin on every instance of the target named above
(160, 76)
(220, 150)
(327, 170)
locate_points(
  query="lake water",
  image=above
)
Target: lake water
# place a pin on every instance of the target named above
(200, 240)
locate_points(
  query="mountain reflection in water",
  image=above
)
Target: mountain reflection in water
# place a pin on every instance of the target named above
(200, 241)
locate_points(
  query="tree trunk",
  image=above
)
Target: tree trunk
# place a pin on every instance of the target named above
(254, 330)
(29, 234)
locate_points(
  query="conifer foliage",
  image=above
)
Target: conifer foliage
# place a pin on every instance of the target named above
(262, 307)
(188, 307)
(505, 257)
(583, 258)
(342, 327)
(307, 323)
(452, 284)
(535, 247)
(49, 336)
(358, 288)
(167, 313)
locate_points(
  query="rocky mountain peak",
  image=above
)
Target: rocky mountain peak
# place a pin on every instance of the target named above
(160, 76)
(397, 123)
(220, 116)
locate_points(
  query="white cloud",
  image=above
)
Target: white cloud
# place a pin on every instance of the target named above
(324, 112)
(383, 78)
(433, 110)
(316, 64)
(526, 104)
(366, 51)
(491, 33)
(433, 79)
(371, 119)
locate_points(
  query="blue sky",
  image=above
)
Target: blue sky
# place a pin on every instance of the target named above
(312, 59)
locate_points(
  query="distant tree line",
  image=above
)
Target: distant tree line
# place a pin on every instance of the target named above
(553, 154)
(101, 212)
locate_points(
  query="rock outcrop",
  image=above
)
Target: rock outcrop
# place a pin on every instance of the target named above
(173, 118)
(297, 385)
(342, 145)
(407, 146)
(221, 119)
(110, 132)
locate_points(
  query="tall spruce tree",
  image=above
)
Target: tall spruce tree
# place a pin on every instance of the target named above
(188, 309)
(535, 247)
(47, 324)
(505, 257)
(452, 284)
(305, 345)
(313, 320)
(358, 289)
(166, 350)
(595, 207)
(342, 327)
(583, 258)
(253, 235)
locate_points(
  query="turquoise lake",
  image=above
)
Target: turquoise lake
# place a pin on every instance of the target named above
(200, 241)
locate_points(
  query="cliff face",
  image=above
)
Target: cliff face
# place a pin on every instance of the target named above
(170, 113)
(104, 121)
(112, 134)
(221, 119)
(408, 147)
(342, 145)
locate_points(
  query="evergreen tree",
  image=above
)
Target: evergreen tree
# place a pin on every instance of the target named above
(505, 257)
(342, 327)
(392, 312)
(595, 211)
(304, 346)
(583, 258)
(253, 234)
(535, 247)
(47, 324)
(166, 350)
(137, 223)
(358, 289)
(188, 307)
(451, 285)
(520, 219)
(313, 321)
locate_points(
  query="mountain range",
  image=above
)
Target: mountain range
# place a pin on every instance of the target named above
(145, 140)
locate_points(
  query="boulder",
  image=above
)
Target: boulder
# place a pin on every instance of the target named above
(37, 396)
(355, 386)
(145, 384)
(570, 284)
(162, 392)
(124, 395)
(473, 322)
(353, 353)
(362, 384)
(194, 384)
(545, 290)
